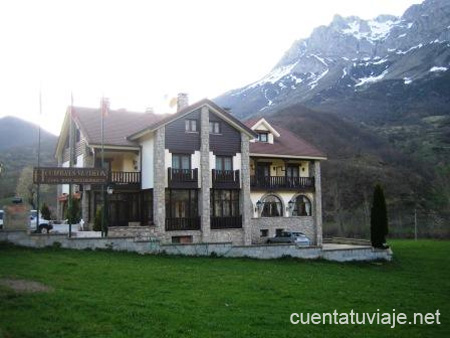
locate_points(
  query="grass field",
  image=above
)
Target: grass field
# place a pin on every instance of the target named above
(126, 295)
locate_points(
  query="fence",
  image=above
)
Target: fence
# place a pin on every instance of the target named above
(402, 224)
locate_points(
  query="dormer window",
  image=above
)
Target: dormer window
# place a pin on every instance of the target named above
(263, 137)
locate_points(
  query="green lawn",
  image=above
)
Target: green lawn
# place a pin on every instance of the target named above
(123, 294)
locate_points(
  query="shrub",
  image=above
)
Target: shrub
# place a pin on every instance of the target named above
(73, 213)
(378, 219)
(98, 219)
(45, 211)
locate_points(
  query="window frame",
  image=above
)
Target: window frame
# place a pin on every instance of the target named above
(188, 126)
(222, 159)
(270, 207)
(233, 203)
(295, 211)
(192, 205)
(181, 156)
(212, 127)
(265, 134)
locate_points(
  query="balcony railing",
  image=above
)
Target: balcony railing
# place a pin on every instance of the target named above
(185, 223)
(226, 222)
(225, 179)
(125, 177)
(182, 178)
(281, 182)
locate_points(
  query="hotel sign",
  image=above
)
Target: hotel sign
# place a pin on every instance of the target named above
(60, 175)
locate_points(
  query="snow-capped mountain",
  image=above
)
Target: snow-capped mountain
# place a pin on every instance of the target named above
(353, 64)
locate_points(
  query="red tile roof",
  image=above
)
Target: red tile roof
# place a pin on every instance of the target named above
(288, 144)
(118, 124)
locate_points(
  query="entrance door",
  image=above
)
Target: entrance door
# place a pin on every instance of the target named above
(263, 174)
(118, 210)
(292, 174)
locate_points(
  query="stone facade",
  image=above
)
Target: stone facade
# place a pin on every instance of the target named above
(318, 203)
(205, 195)
(303, 224)
(159, 189)
(246, 204)
(235, 236)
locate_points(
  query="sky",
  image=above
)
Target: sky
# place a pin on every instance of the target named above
(140, 54)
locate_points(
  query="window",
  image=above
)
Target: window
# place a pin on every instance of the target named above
(214, 127)
(181, 161)
(225, 203)
(190, 126)
(279, 232)
(272, 207)
(224, 163)
(181, 203)
(263, 137)
(302, 206)
(181, 239)
(264, 232)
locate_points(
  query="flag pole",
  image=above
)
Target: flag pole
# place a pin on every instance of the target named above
(102, 112)
(70, 163)
(38, 202)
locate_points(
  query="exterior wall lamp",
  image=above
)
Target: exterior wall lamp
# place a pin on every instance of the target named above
(110, 190)
(259, 205)
(291, 205)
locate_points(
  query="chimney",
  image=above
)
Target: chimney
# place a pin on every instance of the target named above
(182, 101)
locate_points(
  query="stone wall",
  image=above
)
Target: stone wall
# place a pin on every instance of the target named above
(200, 249)
(141, 232)
(234, 236)
(303, 224)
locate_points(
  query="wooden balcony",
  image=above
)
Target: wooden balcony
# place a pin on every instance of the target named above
(226, 222)
(182, 178)
(186, 223)
(125, 180)
(281, 183)
(225, 179)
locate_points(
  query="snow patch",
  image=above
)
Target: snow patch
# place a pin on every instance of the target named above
(401, 36)
(314, 83)
(371, 79)
(407, 80)
(344, 73)
(377, 30)
(407, 51)
(436, 69)
(320, 59)
(274, 76)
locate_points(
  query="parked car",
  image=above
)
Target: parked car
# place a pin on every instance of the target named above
(44, 225)
(293, 237)
(1, 219)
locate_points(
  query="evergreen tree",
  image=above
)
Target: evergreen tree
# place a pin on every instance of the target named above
(378, 218)
(45, 211)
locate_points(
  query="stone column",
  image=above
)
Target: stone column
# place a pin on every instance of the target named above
(205, 194)
(159, 186)
(59, 214)
(245, 201)
(318, 203)
(88, 162)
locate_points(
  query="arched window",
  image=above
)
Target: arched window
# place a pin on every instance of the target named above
(272, 206)
(302, 206)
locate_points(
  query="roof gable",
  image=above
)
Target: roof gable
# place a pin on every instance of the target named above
(183, 112)
(263, 124)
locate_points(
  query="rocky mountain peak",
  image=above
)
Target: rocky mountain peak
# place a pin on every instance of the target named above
(351, 55)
